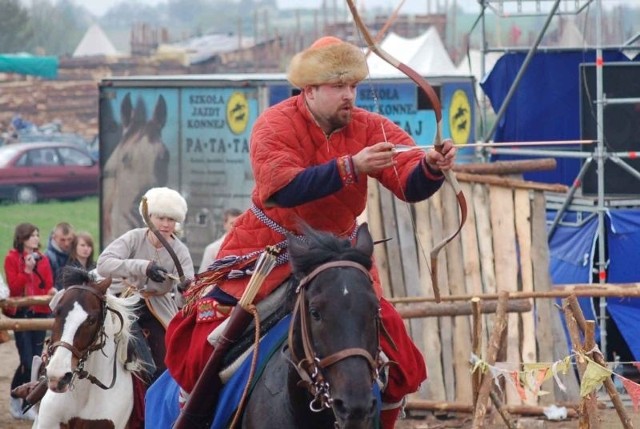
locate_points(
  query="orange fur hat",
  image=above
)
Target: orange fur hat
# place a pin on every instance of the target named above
(328, 60)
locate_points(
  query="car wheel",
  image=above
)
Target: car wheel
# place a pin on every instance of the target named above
(26, 195)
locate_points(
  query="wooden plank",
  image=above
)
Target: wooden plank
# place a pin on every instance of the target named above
(470, 250)
(392, 246)
(455, 273)
(480, 198)
(552, 343)
(504, 246)
(374, 219)
(446, 328)
(523, 233)
(432, 348)
(409, 266)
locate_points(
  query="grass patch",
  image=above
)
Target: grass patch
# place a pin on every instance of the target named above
(83, 214)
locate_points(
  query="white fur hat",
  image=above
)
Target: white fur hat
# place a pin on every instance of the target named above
(328, 60)
(166, 202)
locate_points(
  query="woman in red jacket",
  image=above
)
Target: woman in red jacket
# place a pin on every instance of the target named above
(28, 273)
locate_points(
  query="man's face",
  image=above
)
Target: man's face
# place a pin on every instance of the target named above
(228, 222)
(331, 104)
(63, 240)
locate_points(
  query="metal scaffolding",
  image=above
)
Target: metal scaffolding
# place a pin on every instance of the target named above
(572, 201)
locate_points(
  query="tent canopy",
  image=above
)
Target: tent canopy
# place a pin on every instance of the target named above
(46, 67)
(425, 54)
(95, 42)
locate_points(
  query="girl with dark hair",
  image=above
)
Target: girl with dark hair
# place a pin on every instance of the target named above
(28, 273)
(81, 253)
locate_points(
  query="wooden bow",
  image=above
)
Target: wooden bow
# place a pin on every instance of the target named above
(438, 145)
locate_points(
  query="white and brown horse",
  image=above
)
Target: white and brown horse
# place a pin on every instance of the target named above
(89, 385)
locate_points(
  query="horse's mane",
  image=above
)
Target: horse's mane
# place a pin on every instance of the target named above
(323, 247)
(125, 306)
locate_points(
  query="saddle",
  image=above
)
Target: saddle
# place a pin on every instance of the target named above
(270, 310)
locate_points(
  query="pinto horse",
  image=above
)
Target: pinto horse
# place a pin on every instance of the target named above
(89, 386)
(325, 376)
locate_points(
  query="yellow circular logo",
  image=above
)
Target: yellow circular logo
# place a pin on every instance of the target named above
(460, 117)
(237, 112)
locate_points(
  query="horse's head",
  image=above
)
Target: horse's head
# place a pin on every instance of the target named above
(139, 162)
(335, 331)
(78, 329)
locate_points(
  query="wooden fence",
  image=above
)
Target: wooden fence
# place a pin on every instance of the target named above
(502, 247)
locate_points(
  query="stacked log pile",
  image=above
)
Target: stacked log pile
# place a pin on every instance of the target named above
(72, 98)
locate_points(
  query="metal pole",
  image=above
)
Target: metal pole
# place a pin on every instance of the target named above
(600, 158)
(567, 201)
(521, 72)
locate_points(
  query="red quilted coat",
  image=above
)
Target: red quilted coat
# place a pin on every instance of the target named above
(285, 140)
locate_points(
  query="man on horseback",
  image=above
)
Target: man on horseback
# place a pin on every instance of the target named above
(140, 264)
(311, 156)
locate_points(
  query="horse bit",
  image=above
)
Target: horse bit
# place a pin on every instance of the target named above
(98, 342)
(309, 369)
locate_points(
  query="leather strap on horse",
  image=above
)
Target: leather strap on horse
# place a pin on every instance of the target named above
(161, 239)
(309, 368)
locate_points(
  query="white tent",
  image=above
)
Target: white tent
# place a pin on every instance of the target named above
(95, 42)
(425, 54)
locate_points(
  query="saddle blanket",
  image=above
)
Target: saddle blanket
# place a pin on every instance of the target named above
(161, 402)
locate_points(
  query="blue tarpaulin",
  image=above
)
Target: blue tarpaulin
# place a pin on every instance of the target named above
(46, 67)
(546, 104)
(572, 250)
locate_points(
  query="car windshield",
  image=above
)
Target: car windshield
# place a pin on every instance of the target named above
(6, 154)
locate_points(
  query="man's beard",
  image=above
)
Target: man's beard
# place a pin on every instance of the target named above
(340, 119)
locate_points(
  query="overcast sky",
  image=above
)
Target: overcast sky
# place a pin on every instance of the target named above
(99, 7)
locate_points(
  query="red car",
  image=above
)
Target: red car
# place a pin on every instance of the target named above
(30, 172)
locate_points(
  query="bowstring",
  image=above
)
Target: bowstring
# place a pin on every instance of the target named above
(378, 109)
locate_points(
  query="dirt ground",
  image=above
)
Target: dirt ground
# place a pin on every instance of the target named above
(608, 417)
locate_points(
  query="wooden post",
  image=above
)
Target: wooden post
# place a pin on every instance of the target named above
(493, 348)
(572, 327)
(600, 360)
(591, 401)
(476, 345)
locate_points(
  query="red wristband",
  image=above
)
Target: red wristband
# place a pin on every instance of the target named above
(347, 170)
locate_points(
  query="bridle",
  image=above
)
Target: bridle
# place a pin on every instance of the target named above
(310, 367)
(97, 342)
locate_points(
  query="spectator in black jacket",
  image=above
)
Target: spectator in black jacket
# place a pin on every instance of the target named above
(58, 250)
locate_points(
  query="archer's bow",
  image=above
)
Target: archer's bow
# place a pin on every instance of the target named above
(438, 145)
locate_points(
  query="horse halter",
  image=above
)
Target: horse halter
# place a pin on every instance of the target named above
(310, 367)
(97, 343)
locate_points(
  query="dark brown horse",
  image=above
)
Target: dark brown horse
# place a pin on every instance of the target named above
(325, 377)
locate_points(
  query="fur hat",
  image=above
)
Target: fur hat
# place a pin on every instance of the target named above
(166, 202)
(328, 60)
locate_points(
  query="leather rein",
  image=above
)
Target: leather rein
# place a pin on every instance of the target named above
(97, 344)
(310, 367)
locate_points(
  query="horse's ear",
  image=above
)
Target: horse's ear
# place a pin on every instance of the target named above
(364, 242)
(296, 248)
(103, 285)
(126, 109)
(160, 112)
